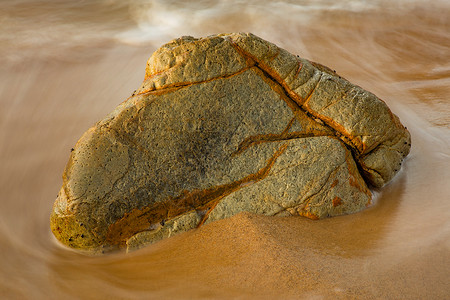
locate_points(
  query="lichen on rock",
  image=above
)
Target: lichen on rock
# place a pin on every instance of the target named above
(221, 125)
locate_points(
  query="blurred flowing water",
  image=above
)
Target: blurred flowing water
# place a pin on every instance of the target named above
(66, 64)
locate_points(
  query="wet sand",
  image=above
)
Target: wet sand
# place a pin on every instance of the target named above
(399, 248)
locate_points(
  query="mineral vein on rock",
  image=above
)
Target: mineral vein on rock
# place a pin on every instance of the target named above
(222, 125)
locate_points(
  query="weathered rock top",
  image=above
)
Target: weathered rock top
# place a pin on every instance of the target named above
(220, 125)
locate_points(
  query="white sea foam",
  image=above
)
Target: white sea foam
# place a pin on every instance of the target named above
(158, 19)
(51, 28)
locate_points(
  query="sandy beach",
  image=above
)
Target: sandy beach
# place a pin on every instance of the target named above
(54, 86)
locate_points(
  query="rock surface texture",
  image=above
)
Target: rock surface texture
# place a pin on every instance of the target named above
(222, 125)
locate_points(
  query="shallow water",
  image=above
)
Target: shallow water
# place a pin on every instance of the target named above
(63, 66)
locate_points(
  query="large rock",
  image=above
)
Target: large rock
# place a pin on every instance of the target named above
(221, 125)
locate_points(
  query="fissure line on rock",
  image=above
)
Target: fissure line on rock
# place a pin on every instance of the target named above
(178, 85)
(72, 199)
(299, 68)
(301, 209)
(306, 100)
(139, 220)
(344, 95)
(270, 137)
(113, 184)
(246, 143)
(148, 76)
(363, 169)
(353, 180)
(275, 78)
(288, 126)
(389, 146)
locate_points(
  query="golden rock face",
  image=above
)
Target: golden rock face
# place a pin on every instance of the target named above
(222, 125)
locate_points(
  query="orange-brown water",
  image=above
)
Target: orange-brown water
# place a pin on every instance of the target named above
(64, 66)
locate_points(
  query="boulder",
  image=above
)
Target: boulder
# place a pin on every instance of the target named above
(221, 125)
